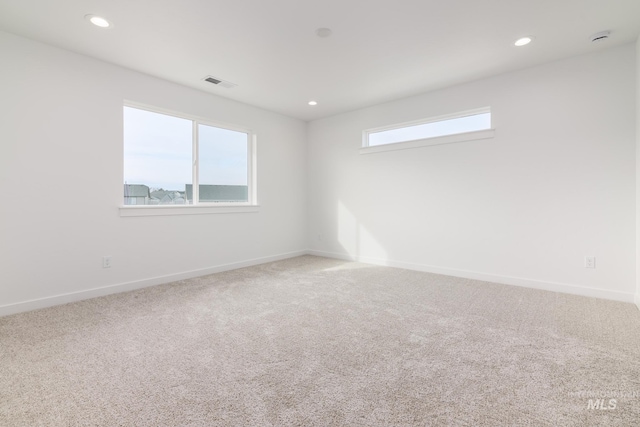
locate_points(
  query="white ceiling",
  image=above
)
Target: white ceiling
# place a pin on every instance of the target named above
(380, 50)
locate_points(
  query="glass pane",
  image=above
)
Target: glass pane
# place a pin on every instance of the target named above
(431, 130)
(157, 158)
(223, 165)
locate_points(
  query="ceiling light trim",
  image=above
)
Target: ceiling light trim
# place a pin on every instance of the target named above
(523, 41)
(99, 21)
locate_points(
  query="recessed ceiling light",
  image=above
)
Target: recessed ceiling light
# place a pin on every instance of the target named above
(323, 32)
(98, 21)
(523, 41)
(313, 103)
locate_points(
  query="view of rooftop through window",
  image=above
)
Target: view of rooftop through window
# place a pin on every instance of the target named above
(158, 160)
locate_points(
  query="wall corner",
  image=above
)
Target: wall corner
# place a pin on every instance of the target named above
(637, 297)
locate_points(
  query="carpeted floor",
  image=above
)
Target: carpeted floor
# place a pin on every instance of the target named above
(311, 341)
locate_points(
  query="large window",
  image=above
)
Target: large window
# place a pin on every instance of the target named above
(178, 160)
(463, 126)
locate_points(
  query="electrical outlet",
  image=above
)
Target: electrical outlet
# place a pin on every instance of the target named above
(589, 262)
(106, 261)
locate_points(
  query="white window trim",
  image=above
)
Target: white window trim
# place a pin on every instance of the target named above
(200, 207)
(165, 210)
(426, 142)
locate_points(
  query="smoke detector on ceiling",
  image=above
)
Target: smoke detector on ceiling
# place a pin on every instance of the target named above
(601, 36)
(323, 32)
(219, 82)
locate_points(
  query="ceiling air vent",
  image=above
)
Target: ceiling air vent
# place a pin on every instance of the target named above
(598, 37)
(219, 82)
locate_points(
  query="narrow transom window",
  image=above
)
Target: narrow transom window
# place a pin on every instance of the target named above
(461, 123)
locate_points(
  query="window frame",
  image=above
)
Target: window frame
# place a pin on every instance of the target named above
(198, 207)
(429, 141)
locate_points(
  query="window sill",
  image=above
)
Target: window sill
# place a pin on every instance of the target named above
(186, 210)
(460, 137)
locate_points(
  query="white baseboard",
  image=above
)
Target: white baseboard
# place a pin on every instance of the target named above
(35, 304)
(505, 280)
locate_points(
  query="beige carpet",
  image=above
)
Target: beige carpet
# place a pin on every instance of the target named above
(317, 342)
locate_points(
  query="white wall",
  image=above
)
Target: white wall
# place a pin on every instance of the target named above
(556, 183)
(61, 174)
